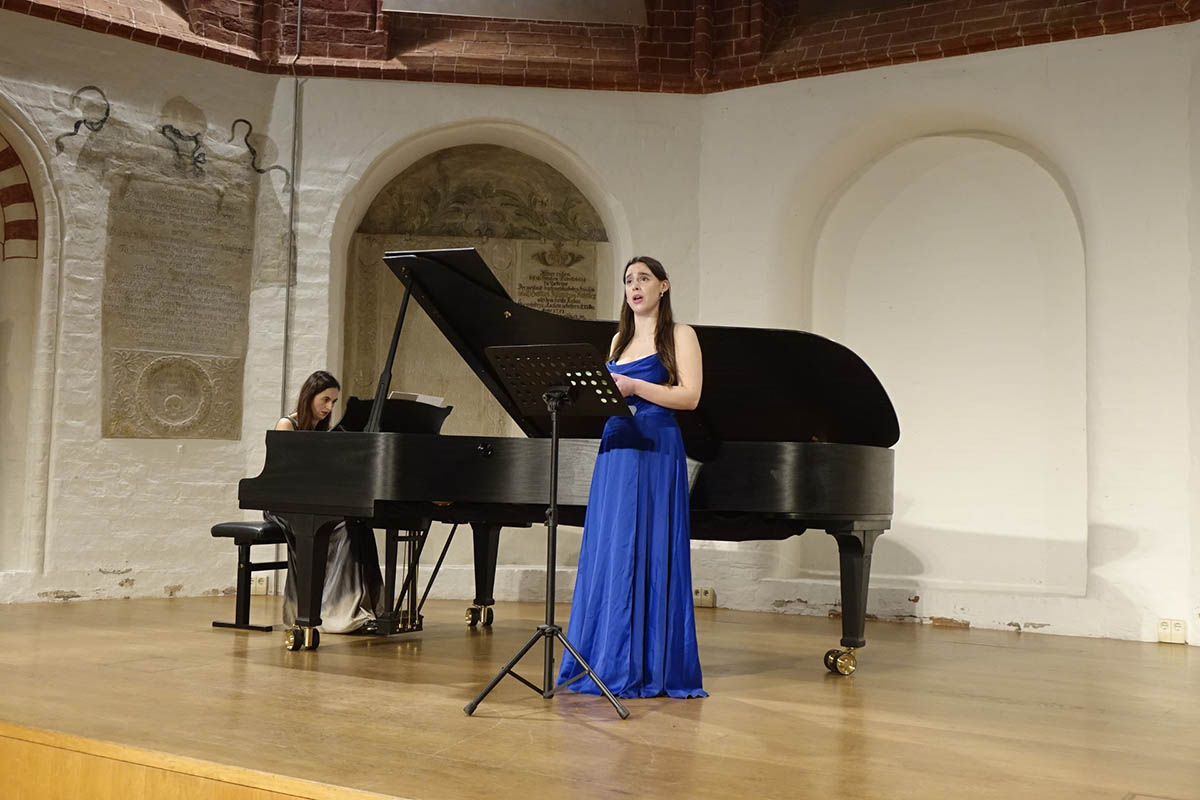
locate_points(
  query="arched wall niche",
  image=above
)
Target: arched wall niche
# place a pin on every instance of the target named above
(543, 240)
(367, 176)
(954, 265)
(358, 237)
(816, 188)
(29, 280)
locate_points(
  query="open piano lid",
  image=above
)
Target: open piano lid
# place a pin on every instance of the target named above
(759, 384)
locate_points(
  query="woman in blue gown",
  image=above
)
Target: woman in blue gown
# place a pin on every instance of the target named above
(631, 616)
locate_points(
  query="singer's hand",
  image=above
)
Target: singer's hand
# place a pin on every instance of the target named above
(626, 384)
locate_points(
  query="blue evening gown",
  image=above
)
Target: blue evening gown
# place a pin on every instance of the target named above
(631, 616)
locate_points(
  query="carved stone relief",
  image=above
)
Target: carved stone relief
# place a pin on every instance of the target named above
(184, 204)
(533, 228)
(483, 191)
(174, 314)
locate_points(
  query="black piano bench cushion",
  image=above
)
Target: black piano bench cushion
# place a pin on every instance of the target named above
(251, 532)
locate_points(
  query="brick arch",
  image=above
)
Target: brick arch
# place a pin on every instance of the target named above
(18, 211)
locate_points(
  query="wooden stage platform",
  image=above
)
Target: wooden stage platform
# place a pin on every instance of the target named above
(132, 699)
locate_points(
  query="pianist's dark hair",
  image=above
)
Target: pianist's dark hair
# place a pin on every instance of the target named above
(316, 383)
(664, 331)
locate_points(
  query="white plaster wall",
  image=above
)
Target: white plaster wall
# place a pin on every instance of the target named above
(955, 266)
(1110, 117)
(121, 517)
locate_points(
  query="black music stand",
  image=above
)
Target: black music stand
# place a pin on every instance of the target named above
(558, 377)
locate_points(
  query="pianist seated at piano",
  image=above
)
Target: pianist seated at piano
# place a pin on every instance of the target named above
(631, 616)
(353, 595)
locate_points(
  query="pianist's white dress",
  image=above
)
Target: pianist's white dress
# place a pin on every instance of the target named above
(353, 590)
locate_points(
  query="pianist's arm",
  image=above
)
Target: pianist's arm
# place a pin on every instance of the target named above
(685, 395)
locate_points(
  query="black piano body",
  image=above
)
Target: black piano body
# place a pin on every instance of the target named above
(793, 432)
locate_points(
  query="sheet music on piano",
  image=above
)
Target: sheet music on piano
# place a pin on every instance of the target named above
(416, 397)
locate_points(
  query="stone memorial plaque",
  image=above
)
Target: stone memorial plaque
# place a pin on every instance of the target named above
(558, 277)
(174, 314)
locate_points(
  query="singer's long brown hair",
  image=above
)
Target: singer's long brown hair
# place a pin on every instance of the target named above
(664, 331)
(316, 383)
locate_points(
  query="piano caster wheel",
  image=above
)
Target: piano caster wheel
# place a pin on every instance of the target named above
(841, 662)
(302, 639)
(478, 614)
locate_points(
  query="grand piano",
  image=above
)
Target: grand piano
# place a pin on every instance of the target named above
(793, 432)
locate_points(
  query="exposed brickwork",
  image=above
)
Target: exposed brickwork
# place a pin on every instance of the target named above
(237, 22)
(341, 29)
(18, 210)
(694, 46)
(665, 45)
(152, 22)
(514, 52)
(739, 33)
(885, 32)
(702, 41)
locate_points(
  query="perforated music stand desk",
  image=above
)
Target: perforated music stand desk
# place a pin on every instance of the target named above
(554, 379)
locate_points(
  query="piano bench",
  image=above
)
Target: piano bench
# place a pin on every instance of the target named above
(245, 535)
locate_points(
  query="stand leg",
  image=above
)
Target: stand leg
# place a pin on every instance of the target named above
(621, 710)
(471, 706)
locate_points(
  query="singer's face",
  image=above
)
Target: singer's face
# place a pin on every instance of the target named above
(643, 291)
(322, 404)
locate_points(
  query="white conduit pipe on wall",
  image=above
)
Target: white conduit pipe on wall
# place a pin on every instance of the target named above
(290, 287)
(285, 395)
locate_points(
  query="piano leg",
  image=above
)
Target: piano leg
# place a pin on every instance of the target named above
(308, 538)
(486, 538)
(854, 552)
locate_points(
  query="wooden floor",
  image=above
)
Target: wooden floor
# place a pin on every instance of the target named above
(931, 713)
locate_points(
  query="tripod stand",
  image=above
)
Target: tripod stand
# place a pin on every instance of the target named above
(565, 376)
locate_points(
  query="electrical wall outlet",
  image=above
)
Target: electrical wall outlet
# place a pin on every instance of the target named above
(1172, 630)
(704, 597)
(259, 584)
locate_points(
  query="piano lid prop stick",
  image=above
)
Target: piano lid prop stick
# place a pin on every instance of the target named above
(385, 378)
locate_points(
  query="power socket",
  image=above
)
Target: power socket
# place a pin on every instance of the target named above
(259, 584)
(704, 597)
(1173, 631)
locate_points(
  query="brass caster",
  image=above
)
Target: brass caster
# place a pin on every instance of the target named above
(302, 639)
(479, 614)
(841, 662)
